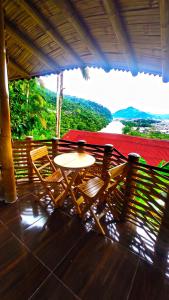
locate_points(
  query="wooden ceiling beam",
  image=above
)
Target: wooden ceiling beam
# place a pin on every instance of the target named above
(44, 23)
(70, 12)
(118, 26)
(164, 23)
(14, 31)
(17, 67)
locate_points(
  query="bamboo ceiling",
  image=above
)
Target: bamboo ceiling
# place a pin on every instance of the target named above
(44, 37)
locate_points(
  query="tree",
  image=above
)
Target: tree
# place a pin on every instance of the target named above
(33, 111)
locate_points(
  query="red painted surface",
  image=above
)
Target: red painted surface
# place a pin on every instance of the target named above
(152, 150)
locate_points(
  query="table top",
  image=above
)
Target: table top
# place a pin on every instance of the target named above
(74, 160)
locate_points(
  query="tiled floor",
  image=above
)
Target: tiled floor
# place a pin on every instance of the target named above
(53, 255)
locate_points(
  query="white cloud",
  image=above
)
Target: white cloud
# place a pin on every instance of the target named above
(116, 90)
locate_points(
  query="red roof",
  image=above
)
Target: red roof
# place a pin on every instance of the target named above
(152, 150)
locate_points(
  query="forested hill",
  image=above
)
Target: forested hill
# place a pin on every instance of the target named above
(88, 104)
(33, 111)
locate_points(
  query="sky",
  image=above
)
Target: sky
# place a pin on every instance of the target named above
(116, 89)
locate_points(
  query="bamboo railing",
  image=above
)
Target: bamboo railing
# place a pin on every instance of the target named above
(21, 149)
(143, 199)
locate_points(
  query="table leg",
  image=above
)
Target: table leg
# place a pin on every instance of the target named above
(69, 188)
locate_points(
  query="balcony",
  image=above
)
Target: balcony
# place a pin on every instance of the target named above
(52, 254)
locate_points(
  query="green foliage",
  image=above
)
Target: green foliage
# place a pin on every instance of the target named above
(151, 134)
(142, 161)
(126, 130)
(33, 111)
(139, 123)
(128, 123)
(28, 107)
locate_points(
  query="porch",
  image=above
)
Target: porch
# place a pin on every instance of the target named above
(48, 254)
(52, 254)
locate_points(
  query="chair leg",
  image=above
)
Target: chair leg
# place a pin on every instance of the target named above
(101, 230)
(55, 201)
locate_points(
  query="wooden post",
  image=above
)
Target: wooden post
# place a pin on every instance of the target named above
(29, 140)
(81, 144)
(164, 24)
(8, 178)
(132, 158)
(59, 102)
(108, 149)
(57, 105)
(55, 146)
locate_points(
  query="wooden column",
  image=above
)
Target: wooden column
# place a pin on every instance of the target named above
(59, 103)
(164, 22)
(81, 144)
(108, 149)
(132, 158)
(55, 146)
(8, 178)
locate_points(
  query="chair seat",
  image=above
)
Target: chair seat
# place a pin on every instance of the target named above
(54, 177)
(91, 187)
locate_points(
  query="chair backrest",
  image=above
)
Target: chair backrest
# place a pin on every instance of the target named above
(116, 175)
(119, 170)
(38, 153)
(41, 162)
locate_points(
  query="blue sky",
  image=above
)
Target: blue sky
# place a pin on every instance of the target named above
(116, 89)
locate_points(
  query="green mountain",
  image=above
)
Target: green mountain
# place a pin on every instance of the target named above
(133, 113)
(80, 102)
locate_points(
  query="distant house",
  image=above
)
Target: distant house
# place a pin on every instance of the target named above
(152, 150)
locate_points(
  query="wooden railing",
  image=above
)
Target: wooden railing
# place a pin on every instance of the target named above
(23, 169)
(143, 199)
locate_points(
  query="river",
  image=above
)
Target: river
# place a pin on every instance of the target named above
(113, 127)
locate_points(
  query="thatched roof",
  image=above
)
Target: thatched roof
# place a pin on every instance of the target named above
(44, 37)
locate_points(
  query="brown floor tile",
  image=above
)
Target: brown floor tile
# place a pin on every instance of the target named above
(30, 212)
(4, 234)
(20, 272)
(10, 252)
(98, 269)
(150, 283)
(52, 239)
(9, 211)
(52, 289)
(28, 207)
(20, 223)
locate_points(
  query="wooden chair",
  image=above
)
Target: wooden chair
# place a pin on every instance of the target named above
(50, 176)
(117, 177)
(94, 191)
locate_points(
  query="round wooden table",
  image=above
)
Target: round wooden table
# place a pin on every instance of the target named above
(74, 161)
